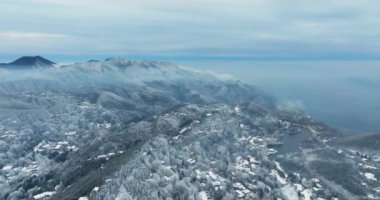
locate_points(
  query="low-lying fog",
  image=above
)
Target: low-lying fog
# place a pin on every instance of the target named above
(344, 94)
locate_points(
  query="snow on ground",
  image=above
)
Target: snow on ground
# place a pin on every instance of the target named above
(191, 161)
(240, 189)
(278, 177)
(50, 146)
(369, 167)
(307, 194)
(370, 176)
(212, 175)
(278, 166)
(237, 108)
(7, 167)
(95, 189)
(298, 187)
(216, 180)
(43, 195)
(183, 130)
(108, 155)
(271, 151)
(202, 195)
(107, 125)
(289, 193)
(71, 133)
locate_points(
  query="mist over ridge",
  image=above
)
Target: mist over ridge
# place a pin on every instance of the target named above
(343, 94)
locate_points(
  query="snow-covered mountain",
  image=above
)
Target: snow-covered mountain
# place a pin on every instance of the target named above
(133, 86)
(119, 129)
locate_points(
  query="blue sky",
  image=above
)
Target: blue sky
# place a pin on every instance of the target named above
(216, 29)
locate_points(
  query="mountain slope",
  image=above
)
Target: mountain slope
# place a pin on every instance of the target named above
(53, 120)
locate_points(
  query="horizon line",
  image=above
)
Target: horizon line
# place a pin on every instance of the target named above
(5, 58)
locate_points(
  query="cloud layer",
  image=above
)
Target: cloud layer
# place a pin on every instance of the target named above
(264, 29)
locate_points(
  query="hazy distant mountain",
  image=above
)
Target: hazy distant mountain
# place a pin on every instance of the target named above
(29, 62)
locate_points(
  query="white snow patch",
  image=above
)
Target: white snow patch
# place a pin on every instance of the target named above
(371, 196)
(101, 156)
(111, 154)
(253, 160)
(73, 147)
(369, 167)
(95, 189)
(240, 194)
(271, 151)
(191, 161)
(63, 142)
(107, 125)
(237, 108)
(7, 167)
(278, 177)
(240, 189)
(71, 133)
(307, 194)
(315, 180)
(370, 176)
(289, 193)
(202, 195)
(298, 187)
(278, 166)
(183, 130)
(212, 175)
(43, 195)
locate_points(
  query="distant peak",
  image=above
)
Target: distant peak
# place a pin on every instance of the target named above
(121, 62)
(115, 59)
(93, 61)
(32, 61)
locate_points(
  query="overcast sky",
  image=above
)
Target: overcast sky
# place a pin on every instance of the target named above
(257, 29)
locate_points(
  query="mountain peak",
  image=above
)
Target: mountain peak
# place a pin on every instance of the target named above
(121, 62)
(29, 62)
(115, 59)
(32, 61)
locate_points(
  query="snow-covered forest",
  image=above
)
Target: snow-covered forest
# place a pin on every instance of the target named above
(119, 129)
